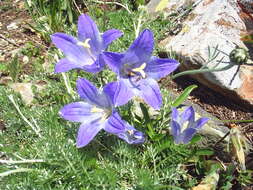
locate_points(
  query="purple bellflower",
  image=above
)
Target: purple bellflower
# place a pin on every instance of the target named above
(184, 126)
(85, 51)
(98, 112)
(138, 70)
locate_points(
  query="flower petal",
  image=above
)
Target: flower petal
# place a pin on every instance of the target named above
(113, 60)
(109, 36)
(174, 114)
(200, 122)
(150, 92)
(79, 112)
(74, 53)
(86, 133)
(64, 36)
(65, 65)
(114, 124)
(87, 29)
(89, 92)
(158, 68)
(143, 46)
(118, 93)
(97, 66)
(123, 130)
(175, 131)
(187, 135)
(187, 115)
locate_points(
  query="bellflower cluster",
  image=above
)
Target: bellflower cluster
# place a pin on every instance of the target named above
(137, 71)
(97, 113)
(184, 126)
(85, 51)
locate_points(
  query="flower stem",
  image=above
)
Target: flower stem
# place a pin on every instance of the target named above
(197, 71)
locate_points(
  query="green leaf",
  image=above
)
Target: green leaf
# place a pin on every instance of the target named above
(157, 137)
(184, 95)
(204, 152)
(195, 139)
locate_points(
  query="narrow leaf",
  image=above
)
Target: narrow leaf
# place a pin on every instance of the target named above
(204, 152)
(184, 95)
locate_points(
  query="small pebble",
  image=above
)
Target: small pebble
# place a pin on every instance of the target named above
(25, 59)
(12, 26)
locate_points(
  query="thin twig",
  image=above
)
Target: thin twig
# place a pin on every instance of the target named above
(20, 161)
(137, 29)
(23, 117)
(6, 39)
(222, 138)
(66, 82)
(15, 171)
(77, 7)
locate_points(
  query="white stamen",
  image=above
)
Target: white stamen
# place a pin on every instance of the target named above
(141, 70)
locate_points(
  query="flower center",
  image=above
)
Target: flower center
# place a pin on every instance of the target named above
(140, 70)
(132, 72)
(86, 45)
(106, 112)
(184, 126)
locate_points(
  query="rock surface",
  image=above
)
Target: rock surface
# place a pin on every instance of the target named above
(212, 23)
(25, 90)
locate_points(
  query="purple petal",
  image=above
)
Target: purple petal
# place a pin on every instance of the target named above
(65, 65)
(109, 36)
(150, 92)
(158, 68)
(118, 93)
(131, 135)
(187, 135)
(89, 92)
(200, 122)
(174, 114)
(175, 130)
(97, 66)
(114, 124)
(113, 60)
(86, 89)
(143, 46)
(65, 37)
(123, 130)
(187, 115)
(79, 112)
(87, 29)
(74, 53)
(86, 133)
(132, 59)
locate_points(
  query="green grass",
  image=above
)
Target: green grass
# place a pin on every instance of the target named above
(107, 163)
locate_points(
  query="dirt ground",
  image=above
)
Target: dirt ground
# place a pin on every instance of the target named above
(14, 29)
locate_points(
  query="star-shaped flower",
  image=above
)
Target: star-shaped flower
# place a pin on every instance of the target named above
(184, 126)
(85, 51)
(98, 112)
(138, 70)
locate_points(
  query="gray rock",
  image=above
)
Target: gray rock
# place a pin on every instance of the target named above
(213, 23)
(3, 43)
